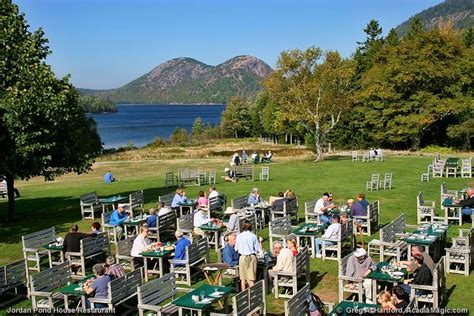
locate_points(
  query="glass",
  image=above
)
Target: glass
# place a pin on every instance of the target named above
(202, 295)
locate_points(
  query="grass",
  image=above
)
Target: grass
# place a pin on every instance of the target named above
(44, 204)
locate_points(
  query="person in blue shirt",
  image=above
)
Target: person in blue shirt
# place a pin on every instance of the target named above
(229, 255)
(254, 197)
(117, 218)
(180, 247)
(108, 177)
(179, 197)
(98, 286)
(151, 220)
(363, 201)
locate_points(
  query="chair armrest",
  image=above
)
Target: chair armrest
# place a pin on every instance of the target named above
(178, 261)
(423, 287)
(283, 273)
(99, 300)
(351, 279)
(39, 293)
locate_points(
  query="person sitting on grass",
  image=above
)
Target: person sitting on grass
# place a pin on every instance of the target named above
(95, 228)
(108, 177)
(152, 218)
(117, 218)
(229, 175)
(98, 286)
(114, 270)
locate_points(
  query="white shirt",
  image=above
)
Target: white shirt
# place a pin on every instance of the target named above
(284, 261)
(333, 231)
(319, 205)
(200, 218)
(163, 211)
(139, 245)
(213, 193)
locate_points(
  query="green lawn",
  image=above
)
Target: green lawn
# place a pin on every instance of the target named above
(46, 204)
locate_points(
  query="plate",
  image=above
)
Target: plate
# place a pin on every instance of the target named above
(168, 247)
(204, 301)
(398, 274)
(216, 294)
(78, 289)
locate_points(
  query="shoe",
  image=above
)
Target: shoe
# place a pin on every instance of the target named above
(318, 255)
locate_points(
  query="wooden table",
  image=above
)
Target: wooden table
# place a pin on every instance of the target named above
(451, 166)
(435, 240)
(186, 302)
(309, 231)
(379, 275)
(75, 289)
(452, 211)
(215, 231)
(111, 200)
(186, 207)
(133, 225)
(53, 248)
(158, 255)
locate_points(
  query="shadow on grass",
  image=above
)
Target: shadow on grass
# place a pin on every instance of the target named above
(315, 277)
(448, 294)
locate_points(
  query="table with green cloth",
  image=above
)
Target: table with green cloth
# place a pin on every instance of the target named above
(54, 248)
(187, 207)
(205, 291)
(75, 289)
(264, 264)
(452, 211)
(111, 201)
(354, 308)
(130, 226)
(309, 231)
(451, 165)
(434, 241)
(215, 231)
(158, 256)
(379, 275)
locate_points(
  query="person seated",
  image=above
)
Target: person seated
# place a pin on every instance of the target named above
(363, 201)
(235, 161)
(201, 217)
(95, 229)
(255, 157)
(385, 299)
(15, 190)
(117, 218)
(291, 244)
(245, 157)
(254, 197)
(72, 240)
(98, 286)
(140, 244)
(229, 175)
(273, 201)
(108, 177)
(233, 223)
(423, 276)
(322, 208)
(290, 195)
(179, 197)
(359, 265)
(229, 255)
(284, 261)
(202, 199)
(400, 298)
(266, 158)
(411, 264)
(114, 270)
(213, 192)
(162, 209)
(332, 232)
(180, 247)
(151, 219)
(467, 205)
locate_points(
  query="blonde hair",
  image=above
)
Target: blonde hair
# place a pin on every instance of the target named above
(292, 242)
(385, 297)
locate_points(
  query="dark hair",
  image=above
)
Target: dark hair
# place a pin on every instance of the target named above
(419, 258)
(337, 218)
(74, 228)
(201, 193)
(247, 225)
(361, 196)
(326, 194)
(280, 194)
(96, 225)
(400, 293)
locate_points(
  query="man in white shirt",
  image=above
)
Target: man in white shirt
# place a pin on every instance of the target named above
(284, 260)
(200, 218)
(332, 232)
(162, 209)
(140, 244)
(322, 207)
(212, 192)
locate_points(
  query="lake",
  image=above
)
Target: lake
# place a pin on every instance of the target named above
(140, 124)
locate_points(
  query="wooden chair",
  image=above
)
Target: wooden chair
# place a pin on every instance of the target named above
(165, 224)
(250, 301)
(124, 247)
(446, 194)
(373, 184)
(466, 168)
(265, 174)
(152, 294)
(169, 180)
(189, 176)
(32, 246)
(44, 284)
(12, 277)
(424, 209)
(120, 289)
(279, 228)
(285, 207)
(345, 234)
(244, 171)
(435, 294)
(185, 224)
(459, 256)
(289, 280)
(252, 218)
(212, 177)
(91, 247)
(109, 229)
(240, 202)
(3, 188)
(371, 223)
(354, 156)
(309, 214)
(135, 202)
(216, 203)
(386, 183)
(89, 204)
(348, 284)
(389, 244)
(438, 169)
(196, 253)
(166, 198)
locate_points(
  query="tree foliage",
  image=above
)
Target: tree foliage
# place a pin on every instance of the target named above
(43, 130)
(236, 120)
(92, 104)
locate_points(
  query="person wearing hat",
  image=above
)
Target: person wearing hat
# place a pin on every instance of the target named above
(201, 217)
(233, 223)
(322, 207)
(332, 232)
(359, 265)
(229, 175)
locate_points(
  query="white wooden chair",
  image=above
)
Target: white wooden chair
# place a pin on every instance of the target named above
(466, 168)
(373, 184)
(459, 256)
(309, 215)
(390, 245)
(289, 280)
(434, 294)
(265, 174)
(32, 246)
(124, 247)
(89, 205)
(12, 277)
(279, 228)
(90, 248)
(328, 251)
(371, 220)
(169, 180)
(43, 286)
(438, 169)
(354, 156)
(250, 301)
(424, 209)
(151, 295)
(348, 284)
(135, 202)
(166, 199)
(109, 229)
(386, 183)
(446, 194)
(196, 253)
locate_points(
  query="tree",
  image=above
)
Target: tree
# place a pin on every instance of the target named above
(236, 119)
(197, 129)
(367, 50)
(43, 129)
(415, 28)
(468, 37)
(179, 135)
(310, 93)
(392, 38)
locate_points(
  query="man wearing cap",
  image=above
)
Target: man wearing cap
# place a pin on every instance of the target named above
(359, 265)
(233, 223)
(247, 246)
(117, 218)
(332, 232)
(322, 208)
(200, 218)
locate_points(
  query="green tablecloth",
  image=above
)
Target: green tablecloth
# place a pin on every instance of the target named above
(452, 162)
(449, 203)
(53, 247)
(354, 308)
(437, 234)
(381, 276)
(187, 203)
(113, 199)
(300, 230)
(135, 221)
(187, 302)
(155, 254)
(75, 288)
(212, 228)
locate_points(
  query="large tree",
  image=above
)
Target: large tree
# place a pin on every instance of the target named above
(236, 120)
(310, 92)
(43, 129)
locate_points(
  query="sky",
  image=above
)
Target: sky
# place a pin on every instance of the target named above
(105, 44)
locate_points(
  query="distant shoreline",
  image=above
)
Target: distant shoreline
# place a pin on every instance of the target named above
(170, 104)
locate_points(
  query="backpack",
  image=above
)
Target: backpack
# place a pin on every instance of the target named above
(315, 305)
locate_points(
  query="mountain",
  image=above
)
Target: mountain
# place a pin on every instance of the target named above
(460, 12)
(186, 80)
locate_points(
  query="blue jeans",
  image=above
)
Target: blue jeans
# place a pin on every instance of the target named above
(466, 211)
(324, 219)
(407, 289)
(319, 242)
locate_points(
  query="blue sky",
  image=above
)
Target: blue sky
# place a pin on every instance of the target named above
(107, 43)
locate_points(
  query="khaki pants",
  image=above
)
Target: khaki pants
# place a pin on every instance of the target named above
(248, 268)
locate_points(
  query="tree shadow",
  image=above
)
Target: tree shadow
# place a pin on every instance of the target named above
(315, 277)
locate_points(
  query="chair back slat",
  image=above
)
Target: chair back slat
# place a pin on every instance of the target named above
(281, 226)
(39, 238)
(94, 244)
(185, 222)
(166, 199)
(124, 247)
(296, 306)
(158, 290)
(89, 198)
(239, 202)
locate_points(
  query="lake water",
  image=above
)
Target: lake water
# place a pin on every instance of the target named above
(142, 123)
